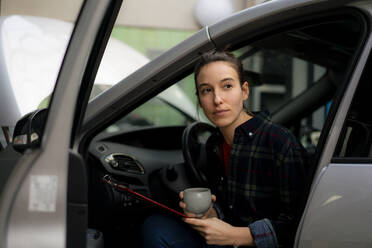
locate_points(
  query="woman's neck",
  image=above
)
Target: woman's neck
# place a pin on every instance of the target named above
(229, 131)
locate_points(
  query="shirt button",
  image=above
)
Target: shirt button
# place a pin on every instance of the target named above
(250, 134)
(231, 206)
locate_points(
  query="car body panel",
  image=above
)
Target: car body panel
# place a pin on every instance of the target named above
(266, 17)
(339, 213)
(44, 224)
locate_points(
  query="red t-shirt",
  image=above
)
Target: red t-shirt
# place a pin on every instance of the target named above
(225, 155)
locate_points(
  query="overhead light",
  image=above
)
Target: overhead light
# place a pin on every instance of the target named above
(208, 12)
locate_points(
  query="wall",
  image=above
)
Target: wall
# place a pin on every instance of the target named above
(170, 14)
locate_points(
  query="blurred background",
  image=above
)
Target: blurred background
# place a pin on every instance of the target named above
(149, 27)
(146, 25)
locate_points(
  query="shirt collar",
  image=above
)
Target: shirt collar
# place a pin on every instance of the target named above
(249, 127)
(252, 125)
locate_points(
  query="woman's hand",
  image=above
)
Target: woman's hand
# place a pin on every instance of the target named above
(209, 214)
(218, 232)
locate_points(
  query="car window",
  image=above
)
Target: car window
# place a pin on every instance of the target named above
(283, 77)
(294, 75)
(32, 50)
(154, 113)
(130, 48)
(170, 108)
(356, 136)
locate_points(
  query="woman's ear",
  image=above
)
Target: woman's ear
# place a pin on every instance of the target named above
(245, 90)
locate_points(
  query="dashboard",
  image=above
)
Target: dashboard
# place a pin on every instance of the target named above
(146, 160)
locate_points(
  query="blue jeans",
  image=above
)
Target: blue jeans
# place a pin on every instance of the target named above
(171, 232)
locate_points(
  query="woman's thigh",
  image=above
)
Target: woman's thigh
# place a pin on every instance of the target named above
(168, 231)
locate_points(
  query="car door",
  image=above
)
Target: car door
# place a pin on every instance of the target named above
(33, 210)
(338, 211)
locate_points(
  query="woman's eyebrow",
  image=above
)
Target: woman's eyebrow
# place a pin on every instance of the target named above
(202, 85)
(227, 79)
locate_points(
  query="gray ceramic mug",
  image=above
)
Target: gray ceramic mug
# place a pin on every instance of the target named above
(198, 200)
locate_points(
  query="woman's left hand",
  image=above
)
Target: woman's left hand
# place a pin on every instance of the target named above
(214, 230)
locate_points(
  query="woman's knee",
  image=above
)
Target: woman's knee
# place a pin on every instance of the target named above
(154, 231)
(154, 225)
(166, 231)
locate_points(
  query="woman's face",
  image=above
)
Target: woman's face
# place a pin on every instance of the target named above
(221, 95)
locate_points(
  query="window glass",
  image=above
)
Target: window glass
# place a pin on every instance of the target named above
(294, 75)
(33, 43)
(129, 48)
(356, 135)
(154, 113)
(275, 78)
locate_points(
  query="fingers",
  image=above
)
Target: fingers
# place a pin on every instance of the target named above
(182, 205)
(214, 198)
(195, 222)
(201, 230)
(181, 195)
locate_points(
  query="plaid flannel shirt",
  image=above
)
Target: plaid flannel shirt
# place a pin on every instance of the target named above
(266, 176)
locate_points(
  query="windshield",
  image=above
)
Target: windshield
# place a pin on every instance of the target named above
(32, 50)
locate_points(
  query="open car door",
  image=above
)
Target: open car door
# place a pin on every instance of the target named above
(35, 209)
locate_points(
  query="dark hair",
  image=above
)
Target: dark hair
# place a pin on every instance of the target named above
(216, 56)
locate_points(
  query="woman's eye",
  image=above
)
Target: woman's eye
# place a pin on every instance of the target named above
(228, 86)
(205, 90)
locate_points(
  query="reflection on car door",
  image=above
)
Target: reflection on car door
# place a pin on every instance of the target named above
(33, 204)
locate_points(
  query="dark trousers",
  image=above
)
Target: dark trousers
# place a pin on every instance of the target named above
(168, 231)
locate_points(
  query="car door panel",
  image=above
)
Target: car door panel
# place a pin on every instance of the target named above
(341, 189)
(33, 203)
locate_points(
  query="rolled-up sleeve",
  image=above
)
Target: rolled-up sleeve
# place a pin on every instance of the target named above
(263, 234)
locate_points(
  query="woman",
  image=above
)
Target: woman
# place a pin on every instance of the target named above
(264, 170)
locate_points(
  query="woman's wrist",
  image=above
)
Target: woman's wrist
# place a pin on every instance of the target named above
(242, 236)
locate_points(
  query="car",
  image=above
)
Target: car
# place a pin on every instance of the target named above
(307, 62)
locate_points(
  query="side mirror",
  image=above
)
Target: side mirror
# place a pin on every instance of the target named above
(29, 130)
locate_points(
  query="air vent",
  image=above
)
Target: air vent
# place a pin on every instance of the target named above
(125, 163)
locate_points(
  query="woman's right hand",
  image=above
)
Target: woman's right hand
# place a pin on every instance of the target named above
(209, 214)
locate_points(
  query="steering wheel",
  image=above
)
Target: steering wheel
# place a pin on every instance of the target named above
(194, 140)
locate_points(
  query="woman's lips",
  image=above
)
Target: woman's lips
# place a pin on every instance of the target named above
(220, 112)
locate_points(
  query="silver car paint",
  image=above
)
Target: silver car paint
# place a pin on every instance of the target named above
(339, 214)
(19, 226)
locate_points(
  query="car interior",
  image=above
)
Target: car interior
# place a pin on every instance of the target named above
(145, 150)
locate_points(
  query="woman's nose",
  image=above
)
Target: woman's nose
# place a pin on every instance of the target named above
(217, 98)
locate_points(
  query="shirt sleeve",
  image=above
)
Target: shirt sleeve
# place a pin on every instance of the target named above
(263, 234)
